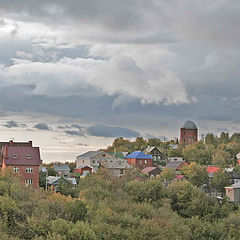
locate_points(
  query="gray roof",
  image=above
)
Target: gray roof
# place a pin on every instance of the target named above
(189, 125)
(90, 154)
(51, 180)
(174, 165)
(72, 180)
(61, 167)
(235, 185)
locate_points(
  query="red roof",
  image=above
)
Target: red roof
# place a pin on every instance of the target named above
(212, 169)
(21, 153)
(148, 169)
(179, 177)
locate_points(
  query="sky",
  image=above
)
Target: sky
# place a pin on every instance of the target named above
(76, 74)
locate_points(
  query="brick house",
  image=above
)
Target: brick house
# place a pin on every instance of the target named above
(24, 162)
(139, 159)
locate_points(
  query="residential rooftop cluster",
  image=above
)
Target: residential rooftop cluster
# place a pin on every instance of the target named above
(24, 161)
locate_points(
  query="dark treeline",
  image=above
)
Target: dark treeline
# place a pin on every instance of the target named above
(107, 209)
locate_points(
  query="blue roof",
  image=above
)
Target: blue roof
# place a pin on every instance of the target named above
(139, 155)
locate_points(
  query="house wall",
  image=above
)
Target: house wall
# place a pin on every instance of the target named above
(83, 169)
(23, 175)
(188, 136)
(141, 163)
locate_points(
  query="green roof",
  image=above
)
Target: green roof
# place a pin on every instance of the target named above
(117, 154)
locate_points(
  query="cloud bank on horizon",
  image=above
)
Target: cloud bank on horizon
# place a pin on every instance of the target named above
(136, 64)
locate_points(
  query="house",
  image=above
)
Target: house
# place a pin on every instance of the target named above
(211, 170)
(179, 177)
(53, 182)
(92, 159)
(24, 161)
(234, 176)
(238, 158)
(156, 154)
(12, 143)
(116, 167)
(83, 170)
(172, 159)
(118, 154)
(62, 169)
(233, 192)
(139, 159)
(151, 171)
(176, 164)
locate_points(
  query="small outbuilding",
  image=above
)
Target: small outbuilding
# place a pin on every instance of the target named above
(151, 171)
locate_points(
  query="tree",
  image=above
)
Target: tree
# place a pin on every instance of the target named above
(222, 158)
(211, 139)
(235, 137)
(220, 180)
(51, 171)
(199, 152)
(196, 174)
(224, 138)
(168, 174)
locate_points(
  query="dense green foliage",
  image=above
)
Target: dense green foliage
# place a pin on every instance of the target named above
(107, 209)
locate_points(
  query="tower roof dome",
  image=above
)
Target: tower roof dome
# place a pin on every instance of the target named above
(189, 125)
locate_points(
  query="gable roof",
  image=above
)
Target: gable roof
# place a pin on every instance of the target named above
(61, 167)
(175, 164)
(179, 177)
(235, 185)
(212, 169)
(90, 154)
(117, 154)
(139, 155)
(146, 170)
(22, 152)
(150, 149)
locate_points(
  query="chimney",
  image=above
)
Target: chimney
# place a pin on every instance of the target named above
(5, 151)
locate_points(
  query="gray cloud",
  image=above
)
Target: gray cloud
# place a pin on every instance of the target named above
(75, 133)
(42, 126)
(11, 124)
(100, 130)
(162, 53)
(14, 124)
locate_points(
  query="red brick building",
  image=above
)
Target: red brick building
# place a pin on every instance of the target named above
(188, 133)
(23, 160)
(139, 159)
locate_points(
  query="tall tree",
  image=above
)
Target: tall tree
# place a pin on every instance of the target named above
(196, 174)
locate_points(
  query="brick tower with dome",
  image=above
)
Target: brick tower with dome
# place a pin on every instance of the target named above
(188, 133)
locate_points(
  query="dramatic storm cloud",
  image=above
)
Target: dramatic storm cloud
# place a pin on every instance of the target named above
(131, 64)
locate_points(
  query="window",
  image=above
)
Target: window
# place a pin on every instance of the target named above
(16, 169)
(146, 161)
(29, 156)
(140, 161)
(121, 171)
(104, 155)
(28, 181)
(82, 161)
(15, 155)
(29, 170)
(93, 161)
